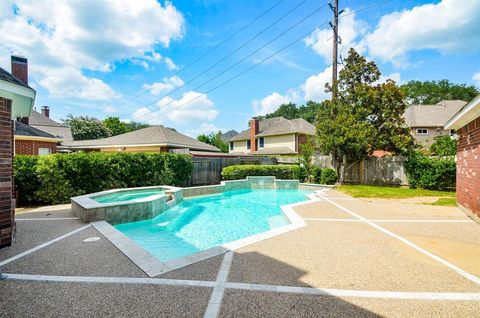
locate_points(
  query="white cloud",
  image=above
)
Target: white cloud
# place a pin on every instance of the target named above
(70, 82)
(109, 109)
(269, 104)
(449, 26)
(351, 29)
(165, 86)
(170, 64)
(314, 86)
(205, 128)
(476, 78)
(393, 76)
(79, 35)
(190, 108)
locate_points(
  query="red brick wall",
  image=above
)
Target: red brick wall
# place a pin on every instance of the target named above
(6, 187)
(30, 147)
(468, 167)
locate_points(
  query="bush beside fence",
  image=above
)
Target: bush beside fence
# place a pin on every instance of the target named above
(53, 179)
(292, 172)
(432, 173)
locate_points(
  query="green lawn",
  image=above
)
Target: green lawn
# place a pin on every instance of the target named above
(364, 191)
(445, 202)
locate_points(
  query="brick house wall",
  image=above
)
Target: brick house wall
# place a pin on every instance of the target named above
(7, 208)
(468, 167)
(31, 147)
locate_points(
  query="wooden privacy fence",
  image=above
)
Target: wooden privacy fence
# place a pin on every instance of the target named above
(207, 171)
(373, 171)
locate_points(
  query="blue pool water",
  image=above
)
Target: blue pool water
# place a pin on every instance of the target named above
(201, 223)
(132, 195)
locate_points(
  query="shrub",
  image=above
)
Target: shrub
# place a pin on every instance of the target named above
(235, 172)
(329, 176)
(53, 179)
(433, 173)
(323, 175)
(444, 146)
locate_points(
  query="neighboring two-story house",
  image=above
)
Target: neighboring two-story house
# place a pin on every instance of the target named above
(274, 136)
(428, 121)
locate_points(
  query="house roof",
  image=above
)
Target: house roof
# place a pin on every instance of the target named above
(278, 126)
(153, 135)
(50, 126)
(8, 77)
(229, 134)
(22, 129)
(465, 115)
(432, 115)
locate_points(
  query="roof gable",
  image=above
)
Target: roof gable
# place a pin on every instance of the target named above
(278, 126)
(432, 115)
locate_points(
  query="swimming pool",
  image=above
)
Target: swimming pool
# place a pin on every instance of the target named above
(129, 195)
(202, 223)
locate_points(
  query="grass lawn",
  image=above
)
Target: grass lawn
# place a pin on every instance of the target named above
(365, 191)
(445, 202)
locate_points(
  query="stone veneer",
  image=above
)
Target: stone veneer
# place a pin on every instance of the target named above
(89, 210)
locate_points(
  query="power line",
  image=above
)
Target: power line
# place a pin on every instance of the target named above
(243, 59)
(241, 73)
(143, 92)
(231, 53)
(263, 60)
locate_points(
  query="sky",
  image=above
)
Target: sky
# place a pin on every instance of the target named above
(207, 65)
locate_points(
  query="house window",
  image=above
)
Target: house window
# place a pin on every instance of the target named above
(422, 131)
(262, 142)
(44, 151)
(231, 145)
(248, 144)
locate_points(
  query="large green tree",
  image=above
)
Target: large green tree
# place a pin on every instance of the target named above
(86, 127)
(117, 127)
(432, 92)
(308, 111)
(214, 140)
(364, 116)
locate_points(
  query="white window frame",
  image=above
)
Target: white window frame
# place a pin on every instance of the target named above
(418, 130)
(49, 151)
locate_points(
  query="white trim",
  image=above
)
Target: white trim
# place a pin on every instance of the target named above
(389, 221)
(461, 296)
(37, 138)
(17, 89)
(144, 145)
(421, 133)
(36, 248)
(213, 307)
(465, 115)
(459, 271)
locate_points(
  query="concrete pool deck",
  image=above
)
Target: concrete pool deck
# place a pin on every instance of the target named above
(339, 264)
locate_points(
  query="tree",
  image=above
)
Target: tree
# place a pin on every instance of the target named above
(364, 116)
(214, 140)
(115, 126)
(308, 111)
(432, 92)
(85, 127)
(443, 146)
(133, 125)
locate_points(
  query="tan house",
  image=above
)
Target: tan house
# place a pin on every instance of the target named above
(428, 121)
(153, 139)
(274, 136)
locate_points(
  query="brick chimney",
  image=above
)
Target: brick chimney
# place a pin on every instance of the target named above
(20, 68)
(254, 126)
(46, 111)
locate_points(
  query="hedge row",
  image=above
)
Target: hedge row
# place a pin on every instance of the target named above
(293, 172)
(53, 179)
(432, 173)
(279, 171)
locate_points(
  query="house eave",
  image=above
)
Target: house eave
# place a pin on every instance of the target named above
(22, 98)
(467, 114)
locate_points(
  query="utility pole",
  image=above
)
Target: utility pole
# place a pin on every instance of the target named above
(334, 26)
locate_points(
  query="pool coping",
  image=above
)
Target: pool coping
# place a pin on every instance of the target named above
(153, 267)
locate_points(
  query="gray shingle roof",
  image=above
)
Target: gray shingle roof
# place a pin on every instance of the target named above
(8, 77)
(278, 126)
(22, 129)
(432, 115)
(50, 126)
(229, 134)
(153, 135)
